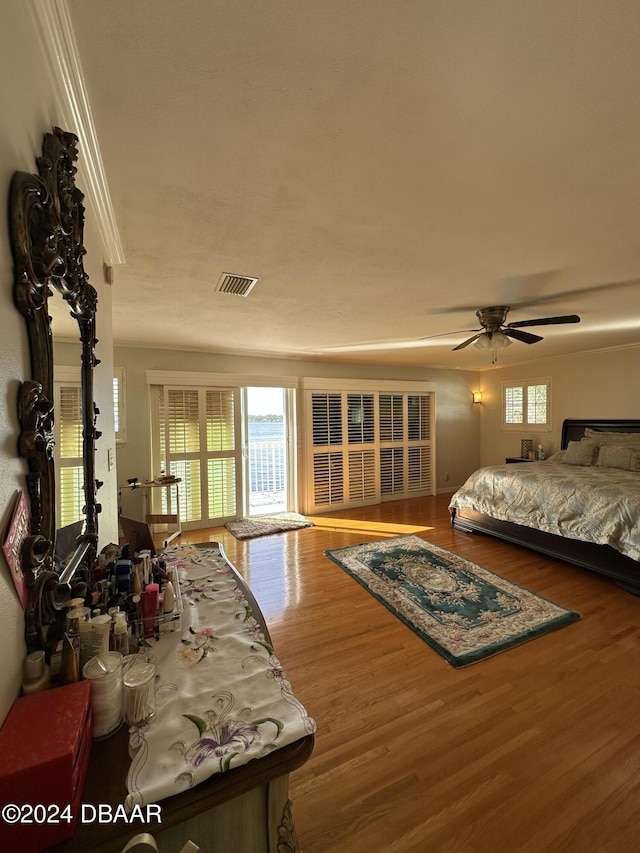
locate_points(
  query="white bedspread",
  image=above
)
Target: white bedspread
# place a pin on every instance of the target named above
(600, 505)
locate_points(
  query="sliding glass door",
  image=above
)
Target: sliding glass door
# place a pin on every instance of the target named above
(268, 465)
(231, 447)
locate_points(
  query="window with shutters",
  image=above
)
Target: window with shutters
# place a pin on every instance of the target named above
(68, 452)
(527, 405)
(195, 437)
(368, 447)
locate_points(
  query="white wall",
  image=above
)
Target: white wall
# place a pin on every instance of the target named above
(28, 110)
(457, 420)
(593, 385)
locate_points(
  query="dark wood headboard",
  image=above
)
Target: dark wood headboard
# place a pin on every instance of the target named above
(573, 430)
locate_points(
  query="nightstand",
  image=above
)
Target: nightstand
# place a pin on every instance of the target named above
(511, 459)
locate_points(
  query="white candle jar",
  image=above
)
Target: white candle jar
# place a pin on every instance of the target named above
(105, 673)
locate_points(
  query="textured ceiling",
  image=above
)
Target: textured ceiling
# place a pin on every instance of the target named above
(383, 168)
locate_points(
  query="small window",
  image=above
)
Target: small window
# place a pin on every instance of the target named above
(527, 405)
(119, 421)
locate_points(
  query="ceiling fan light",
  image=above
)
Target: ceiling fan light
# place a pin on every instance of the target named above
(499, 341)
(483, 342)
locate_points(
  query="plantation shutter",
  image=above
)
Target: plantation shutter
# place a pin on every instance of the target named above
(392, 445)
(195, 438)
(367, 447)
(68, 453)
(420, 459)
(326, 419)
(514, 405)
(328, 460)
(183, 443)
(526, 405)
(361, 456)
(221, 446)
(328, 479)
(537, 408)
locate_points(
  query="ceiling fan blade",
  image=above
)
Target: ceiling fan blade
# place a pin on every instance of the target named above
(525, 292)
(540, 299)
(444, 334)
(510, 291)
(466, 343)
(546, 321)
(525, 337)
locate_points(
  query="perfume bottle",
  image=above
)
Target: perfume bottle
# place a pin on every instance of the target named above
(70, 667)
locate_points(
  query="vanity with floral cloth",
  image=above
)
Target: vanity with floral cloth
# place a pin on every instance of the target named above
(212, 765)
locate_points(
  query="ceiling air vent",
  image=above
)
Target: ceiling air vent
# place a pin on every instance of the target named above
(236, 285)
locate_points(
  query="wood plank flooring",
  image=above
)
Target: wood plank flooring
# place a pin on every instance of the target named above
(536, 749)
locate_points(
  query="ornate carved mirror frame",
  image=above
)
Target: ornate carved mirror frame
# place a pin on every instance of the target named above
(47, 224)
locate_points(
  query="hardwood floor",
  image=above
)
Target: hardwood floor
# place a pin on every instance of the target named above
(536, 749)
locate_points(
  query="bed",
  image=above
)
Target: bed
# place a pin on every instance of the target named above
(582, 505)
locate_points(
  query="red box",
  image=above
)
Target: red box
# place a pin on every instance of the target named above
(45, 744)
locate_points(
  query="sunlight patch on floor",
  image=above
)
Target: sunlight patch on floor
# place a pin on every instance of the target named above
(355, 525)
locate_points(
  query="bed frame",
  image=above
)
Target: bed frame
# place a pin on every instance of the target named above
(597, 558)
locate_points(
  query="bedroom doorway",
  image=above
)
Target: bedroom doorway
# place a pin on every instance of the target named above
(268, 462)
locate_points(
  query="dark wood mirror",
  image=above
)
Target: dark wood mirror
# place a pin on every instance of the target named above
(47, 224)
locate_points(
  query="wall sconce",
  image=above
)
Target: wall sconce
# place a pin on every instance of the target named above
(477, 396)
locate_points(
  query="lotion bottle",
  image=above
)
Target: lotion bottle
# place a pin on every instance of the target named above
(121, 634)
(167, 602)
(37, 674)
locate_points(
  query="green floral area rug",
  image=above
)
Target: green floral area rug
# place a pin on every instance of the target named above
(265, 525)
(463, 611)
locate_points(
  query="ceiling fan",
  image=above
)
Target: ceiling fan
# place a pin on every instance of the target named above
(494, 333)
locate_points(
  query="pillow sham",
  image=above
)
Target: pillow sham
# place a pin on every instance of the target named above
(558, 456)
(612, 437)
(619, 456)
(580, 452)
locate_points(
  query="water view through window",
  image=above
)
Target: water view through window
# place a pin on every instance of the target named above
(267, 451)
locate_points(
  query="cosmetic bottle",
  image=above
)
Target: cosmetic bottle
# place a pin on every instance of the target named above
(145, 566)
(136, 583)
(167, 605)
(37, 674)
(149, 607)
(123, 570)
(121, 634)
(94, 637)
(70, 666)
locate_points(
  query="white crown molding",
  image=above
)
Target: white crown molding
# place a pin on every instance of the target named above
(56, 30)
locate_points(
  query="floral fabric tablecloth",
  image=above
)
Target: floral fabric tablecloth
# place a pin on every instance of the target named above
(222, 697)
